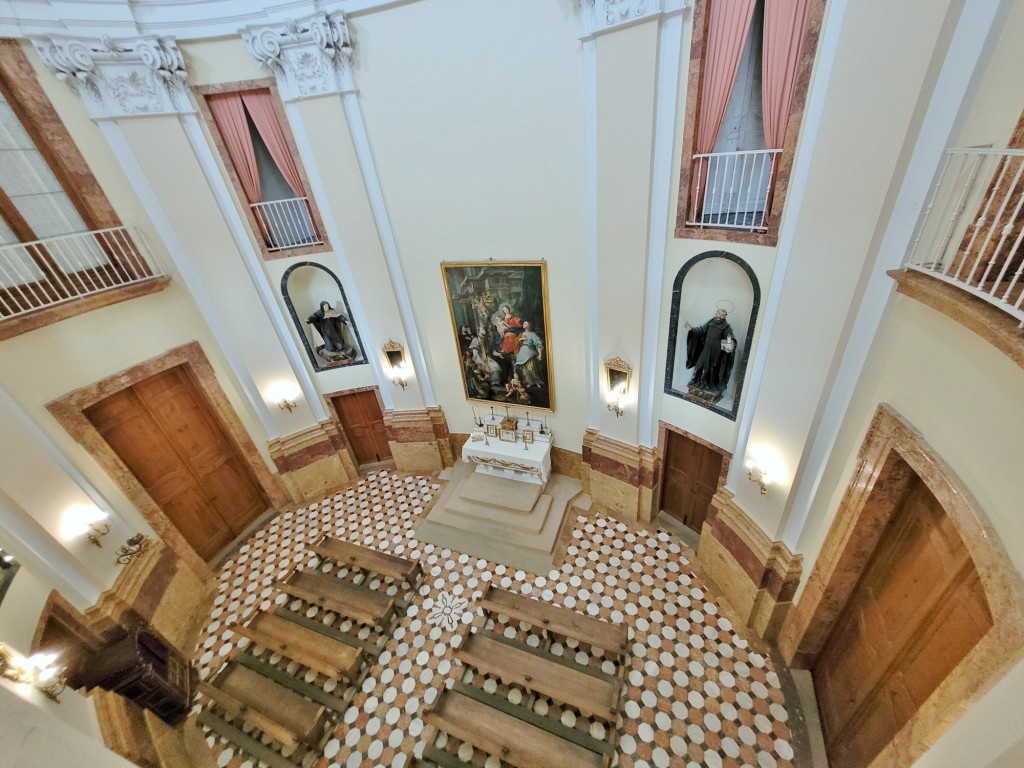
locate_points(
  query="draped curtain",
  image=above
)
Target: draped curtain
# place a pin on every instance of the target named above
(260, 105)
(784, 25)
(728, 26)
(229, 115)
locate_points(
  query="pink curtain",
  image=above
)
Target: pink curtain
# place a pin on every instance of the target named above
(260, 105)
(784, 25)
(728, 27)
(229, 115)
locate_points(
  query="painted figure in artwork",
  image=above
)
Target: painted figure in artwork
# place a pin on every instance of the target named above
(332, 327)
(507, 327)
(530, 356)
(710, 350)
(514, 390)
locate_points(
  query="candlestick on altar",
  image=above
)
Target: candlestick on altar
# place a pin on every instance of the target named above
(527, 418)
(492, 413)
(474, 414)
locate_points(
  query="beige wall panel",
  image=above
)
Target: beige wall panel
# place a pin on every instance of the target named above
(222, 60)
(474, 113)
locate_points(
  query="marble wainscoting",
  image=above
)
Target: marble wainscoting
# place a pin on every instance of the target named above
(419, 440)
(313, 462)
(619, 477)
(758, 576)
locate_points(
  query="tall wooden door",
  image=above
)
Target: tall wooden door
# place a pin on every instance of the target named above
(363, 422)
(916, 611)
(690, 473)
(166, 433)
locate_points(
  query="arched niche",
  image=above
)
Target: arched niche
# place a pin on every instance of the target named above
(305, 287)
(705, 282)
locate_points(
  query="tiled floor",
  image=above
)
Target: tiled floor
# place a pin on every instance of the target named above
(697, 693)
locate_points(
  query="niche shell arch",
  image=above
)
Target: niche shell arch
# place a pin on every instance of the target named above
(304, 286)
(701, 283)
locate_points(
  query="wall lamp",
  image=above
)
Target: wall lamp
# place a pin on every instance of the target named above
(40, 670)
(284, 394)
(134, 547)
(757, 475)
(617, 375)
(395, 354)
(85, 520)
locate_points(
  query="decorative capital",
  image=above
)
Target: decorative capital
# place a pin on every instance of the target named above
(606, 15)
(311, 57)
(120, 78)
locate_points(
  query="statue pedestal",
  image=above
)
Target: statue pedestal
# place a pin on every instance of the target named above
(703, 395)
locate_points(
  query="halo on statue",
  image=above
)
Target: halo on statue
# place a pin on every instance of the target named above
(726, 306)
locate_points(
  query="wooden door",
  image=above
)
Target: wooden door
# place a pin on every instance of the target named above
(363, 422)
(916, 611)
(690, 478)
(167, 435)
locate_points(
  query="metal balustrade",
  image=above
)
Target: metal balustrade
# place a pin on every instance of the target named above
(971, 230)
(60, 269)
(732, 190)
(286, 223)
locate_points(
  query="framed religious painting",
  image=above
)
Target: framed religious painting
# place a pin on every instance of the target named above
(500, 318)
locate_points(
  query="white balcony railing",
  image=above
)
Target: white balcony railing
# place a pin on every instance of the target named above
(732, 190)
(286, 223)
(971, 231)
(60, 269)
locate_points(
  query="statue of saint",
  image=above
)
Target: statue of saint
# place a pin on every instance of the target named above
(710, 350)
(331, 325)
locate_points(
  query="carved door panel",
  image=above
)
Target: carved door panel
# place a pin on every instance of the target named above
(915, 613)
(691, 473)
(363, 423)
(166, 434)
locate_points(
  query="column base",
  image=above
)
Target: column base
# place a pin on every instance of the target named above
(419, 440)
(313, 462)
(618, 477)
(756, 575)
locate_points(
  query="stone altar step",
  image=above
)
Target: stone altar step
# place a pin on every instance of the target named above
(531, 521)
(500, 492)
(498, 540)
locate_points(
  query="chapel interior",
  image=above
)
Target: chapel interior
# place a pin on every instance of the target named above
(451, 383)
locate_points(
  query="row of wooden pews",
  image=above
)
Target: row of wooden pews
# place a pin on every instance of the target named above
(521, 702)
(268, 707)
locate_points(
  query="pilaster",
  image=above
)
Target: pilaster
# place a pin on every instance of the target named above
(419, 440)
(619, 477)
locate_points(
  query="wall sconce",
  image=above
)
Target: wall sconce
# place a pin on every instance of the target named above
(757, 475)
(617, 375)
(135, 546)
(395, 354)
(284, 394)
(39, 670)
(6, 559)
(85, 520)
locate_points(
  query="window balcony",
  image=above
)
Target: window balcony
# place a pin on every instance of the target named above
(286, 224)
(71, 274)
(972, 229)
(732, 190)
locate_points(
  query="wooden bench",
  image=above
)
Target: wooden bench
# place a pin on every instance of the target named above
(242, 741)
(366, 559)
(284, 715)
(305, 646)
(586, 629)
(590, 691)
(514, 741)
(342, 597)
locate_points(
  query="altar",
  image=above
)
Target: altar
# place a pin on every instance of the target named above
(522, 453)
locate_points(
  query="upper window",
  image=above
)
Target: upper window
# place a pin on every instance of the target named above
(745, 85)
(60, 240)
(265, 170)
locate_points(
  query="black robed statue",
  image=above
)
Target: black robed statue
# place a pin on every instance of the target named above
(331, 325)
(710, 350)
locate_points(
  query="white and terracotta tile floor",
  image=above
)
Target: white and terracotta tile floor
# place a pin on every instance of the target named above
(697, 694)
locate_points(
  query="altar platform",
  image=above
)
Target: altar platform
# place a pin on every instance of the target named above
(501, 519)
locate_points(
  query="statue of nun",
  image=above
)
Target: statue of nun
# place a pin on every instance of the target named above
(710, 350)
(331, 324)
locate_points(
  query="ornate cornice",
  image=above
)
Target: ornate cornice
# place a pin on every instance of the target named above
(598, 16)
(120, 78)
(310, 57)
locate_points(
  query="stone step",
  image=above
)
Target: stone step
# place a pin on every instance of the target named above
(500, 492)
(530, 522)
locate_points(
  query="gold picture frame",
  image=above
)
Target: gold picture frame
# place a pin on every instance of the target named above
(527, 436)
(492, 430)
(500, 318)
(507, 435)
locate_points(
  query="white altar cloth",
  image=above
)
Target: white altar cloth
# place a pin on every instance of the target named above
(530, 463)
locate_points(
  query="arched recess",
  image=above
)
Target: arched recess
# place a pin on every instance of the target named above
(70, 409)
(305, 286)
(894, 454)
(702, 283)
